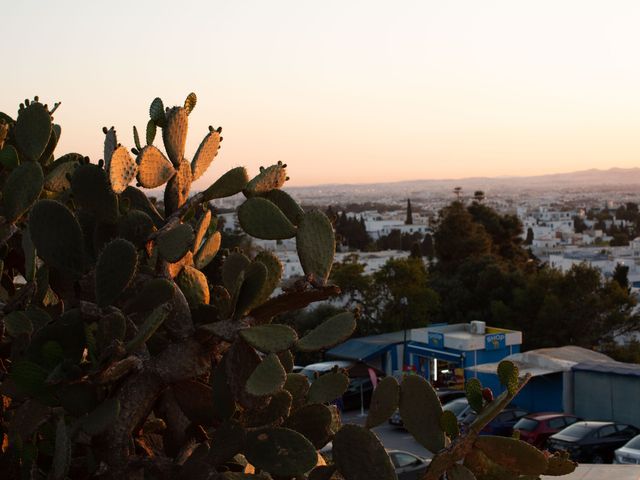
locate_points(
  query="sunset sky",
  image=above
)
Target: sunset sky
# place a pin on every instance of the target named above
(344, 91)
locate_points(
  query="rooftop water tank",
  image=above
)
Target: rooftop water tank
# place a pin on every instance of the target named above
(477, 327)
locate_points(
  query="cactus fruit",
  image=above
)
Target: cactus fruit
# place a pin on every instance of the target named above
(316, 245)
(262, 219)
(328, 387)
(193, 284)
(359, 455)
(280, 451)
(154, 169)
(21, 189)
(272, 338)
(115, 269)
(32, 131)
(329, 333)
(421, 410)
(384, 402)
(174, 134)
(206, 152)
(487, 394)
(57, 236)
(267, 378)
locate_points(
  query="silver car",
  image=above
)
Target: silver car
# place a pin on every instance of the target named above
(629, 452)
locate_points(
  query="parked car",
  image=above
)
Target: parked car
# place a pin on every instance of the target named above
(445, 396)
(629, 452)
(592, 442)
(501, 425)
(536, 428)
(408, 466)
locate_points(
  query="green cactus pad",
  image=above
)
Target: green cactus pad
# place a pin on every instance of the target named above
(150, 133)
(205, 154)
(449, 424)
(136, 138)
(153, 293)
(156, 112)
(269, 178)
(254, 279)
(190, 102)
(280, 451)
(148, 328)
(241, 361)
(115, 269)
(328, 387)
(57, 180)
(92, 192)
(110, 144)
(517, 456)
(174, 134)
(201, 230)
(316, 245)
(298, 386)
(234, 265)
(384, 402)
(329, 333)
(359, 455)
(314, 422)
(473, 391)
(274, 274)
(287, 360)
(208, 250)
(459, 472)
(175, 243)
(47, 155)
(267, 378)
(274, 413)
(32, 130)
(177, 190)
(288, 205)
(270, 338)
(104, 416)
(508, 375)
(154, 169)
(195, 400)
(421, 410)
(21, 189)
(9, 157)
(262, 219)
(61, 452)
(138, 200)
(227, 185)
(193, 284)
(122, 169)
(136, 226)
(57, 236)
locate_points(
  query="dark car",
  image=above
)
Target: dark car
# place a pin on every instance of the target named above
(536, 428)
(445, 396)
(408, 466)
(501, 425)
(592, 442)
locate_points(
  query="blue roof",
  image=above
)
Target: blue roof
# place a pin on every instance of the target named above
(618, 368)
(361, 349)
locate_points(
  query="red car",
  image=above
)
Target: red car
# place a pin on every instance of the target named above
(536, 428)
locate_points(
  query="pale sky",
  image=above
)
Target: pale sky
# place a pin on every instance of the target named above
(343, 91)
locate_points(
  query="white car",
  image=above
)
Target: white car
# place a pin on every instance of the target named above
(629, 452)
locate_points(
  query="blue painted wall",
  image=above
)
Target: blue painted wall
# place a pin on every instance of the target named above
(541, 394)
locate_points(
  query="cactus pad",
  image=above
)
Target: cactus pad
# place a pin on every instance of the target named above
(329, 333)
(208, 250)
(314, 422)
(174, 244)
(21, 189)
(205, 154)
(384, 402)
(177, 190)
(270, 338)
(228, 184)
(267, 378)
(515, 455)
(174, 134)
(473, 391)
(193, 284)
(153, 167)
(359, 455)
(110, 144)
(92, 192)
(316, 245)
(195, 401)
(148, 328)
(135, 226)
(139, 201)
(153, 293)
(156, 112)
(274, 273)
(508, 375)
(269, 178)
(262, 219)
(9, 157)
(57, 236)
(201, 230)
(328, 387)
(190, 102)
(32, 130)
(57, 180)
(421, 410)
(254, 279)
(280, 451)
(122, 169)
(115, 269)
(274, 413)
(449, 424)
(288, 205)
(101, 418)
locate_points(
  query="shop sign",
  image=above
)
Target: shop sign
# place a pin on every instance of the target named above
(495, 341)
(436, 339)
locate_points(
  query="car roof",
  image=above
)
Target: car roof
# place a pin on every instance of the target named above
(548, 415)
(594, 424)
(324, 366)
(408, 453)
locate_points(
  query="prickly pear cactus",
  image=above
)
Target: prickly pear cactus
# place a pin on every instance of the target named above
(133, 346)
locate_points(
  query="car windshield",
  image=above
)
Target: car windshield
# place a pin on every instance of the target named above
(577, 430)
(456, 406)
(526, 424)
(634, 443)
